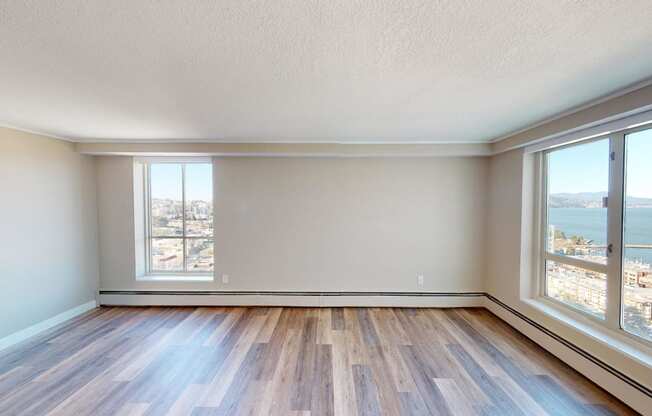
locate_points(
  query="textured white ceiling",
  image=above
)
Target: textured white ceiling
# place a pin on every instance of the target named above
(312, 71)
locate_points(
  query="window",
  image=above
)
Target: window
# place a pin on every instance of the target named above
(597, 244)
(578, 182)
(637, 232)
(179, 217)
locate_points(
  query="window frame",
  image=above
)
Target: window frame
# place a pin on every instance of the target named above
(614, 316)
(147, 212)
(544, 255)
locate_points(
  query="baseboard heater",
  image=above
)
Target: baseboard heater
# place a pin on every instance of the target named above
(281, 293)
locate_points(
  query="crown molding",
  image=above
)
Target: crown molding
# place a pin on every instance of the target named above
(285, 150)
(627, 102)
(35, 132)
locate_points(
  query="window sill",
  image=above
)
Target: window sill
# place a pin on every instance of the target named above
(175, 278)
(620, 341)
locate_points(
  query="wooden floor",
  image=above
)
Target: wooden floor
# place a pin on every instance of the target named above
(291, 361)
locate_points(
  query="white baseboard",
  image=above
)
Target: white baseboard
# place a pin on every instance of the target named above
(633, 397)
(310, 300)
(35, 329)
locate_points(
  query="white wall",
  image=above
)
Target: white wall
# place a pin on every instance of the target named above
(322, 224)
(48, 218)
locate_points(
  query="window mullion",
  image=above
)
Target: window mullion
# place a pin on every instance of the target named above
(615, 229)
(148, 217)
(576, 262)
(538, 286)
(183, 215)
(543, 225)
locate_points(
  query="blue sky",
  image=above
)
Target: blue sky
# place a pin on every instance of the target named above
(166, 181)
(585, 168)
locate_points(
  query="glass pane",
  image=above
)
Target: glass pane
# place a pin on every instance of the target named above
(578, 182)
(637, 261)
(167, 254)
(200, 255)
(580, 288)
(199, 200)
(166, 207)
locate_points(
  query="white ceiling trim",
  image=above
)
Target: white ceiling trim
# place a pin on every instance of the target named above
(279, 141)
(242, 141)
(574, 110)
(602, 129)
(288, 150)
(35, 132)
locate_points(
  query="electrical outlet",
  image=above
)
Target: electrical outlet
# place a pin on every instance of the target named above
(420, 280)
(225, 279)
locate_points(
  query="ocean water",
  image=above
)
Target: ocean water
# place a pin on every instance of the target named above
(591, 223)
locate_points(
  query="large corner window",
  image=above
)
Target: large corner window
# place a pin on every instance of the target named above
(597, 239)
(179, 217)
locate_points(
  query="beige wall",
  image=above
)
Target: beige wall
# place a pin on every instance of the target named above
(322, 224)
(115, 217)
(509, 270)
(48, 261)
(504, 224)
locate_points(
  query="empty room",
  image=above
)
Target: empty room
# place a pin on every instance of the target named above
(318, 207)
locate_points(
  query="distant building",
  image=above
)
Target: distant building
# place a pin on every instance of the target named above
(636, 274)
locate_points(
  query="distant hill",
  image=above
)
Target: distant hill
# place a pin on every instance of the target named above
(591, 200)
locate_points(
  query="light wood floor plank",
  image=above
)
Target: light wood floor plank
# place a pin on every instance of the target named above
(291, 361)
